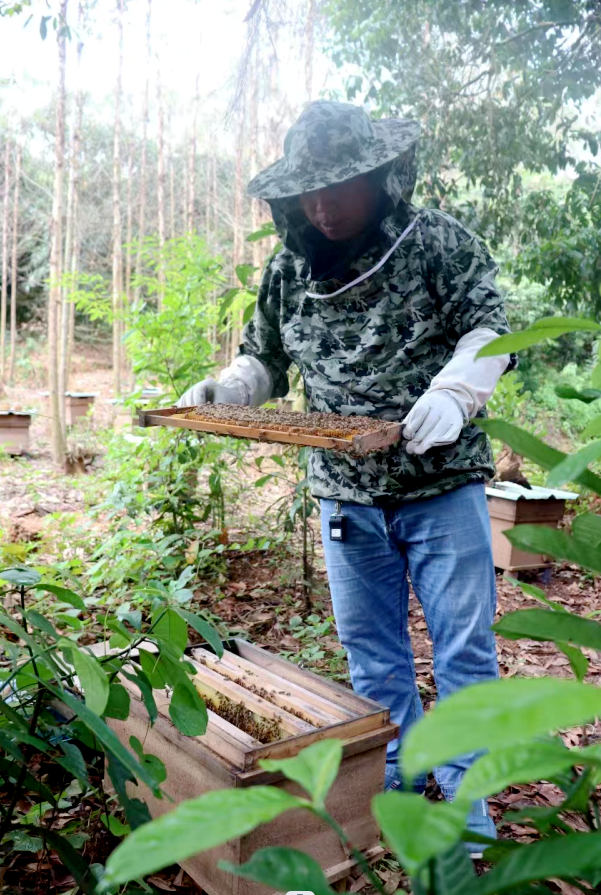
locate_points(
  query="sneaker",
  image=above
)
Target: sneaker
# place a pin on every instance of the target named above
(479, 821)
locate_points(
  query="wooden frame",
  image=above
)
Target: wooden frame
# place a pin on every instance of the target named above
(385, 435)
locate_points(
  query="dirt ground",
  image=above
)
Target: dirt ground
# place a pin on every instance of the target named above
(257, 583)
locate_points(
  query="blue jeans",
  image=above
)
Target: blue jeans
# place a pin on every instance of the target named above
(444, 545)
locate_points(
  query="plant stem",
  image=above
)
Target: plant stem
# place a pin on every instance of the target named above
(357, 855)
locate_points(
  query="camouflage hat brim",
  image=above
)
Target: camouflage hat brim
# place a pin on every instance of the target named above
(393, 137)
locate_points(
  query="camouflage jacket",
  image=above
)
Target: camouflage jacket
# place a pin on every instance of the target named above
(374, 349)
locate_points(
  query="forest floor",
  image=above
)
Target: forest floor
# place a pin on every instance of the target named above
(254, 584)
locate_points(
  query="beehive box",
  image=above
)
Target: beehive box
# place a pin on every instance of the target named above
(77, 405)
(307, 708)
(14, 430)
(510, 504)
(353, 434)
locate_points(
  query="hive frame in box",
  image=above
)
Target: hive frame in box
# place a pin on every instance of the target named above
(227, 757)
(387, 434)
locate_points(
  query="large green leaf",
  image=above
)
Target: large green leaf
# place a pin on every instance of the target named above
(92, 677)
(285, 869)
(559, 856)
(194, 826)
(448, 873)
(187, 710)
(172, 628)
(528, 445)
(206, 631)
(546, 624)
(496, 714)
(519, 763)
(21, 576)
(118, 702)
(63, 593)
(415, 829)
(587, 527)
(586, 395)
(555, 543)
(315, 767)
(574, 465)
(545, 328)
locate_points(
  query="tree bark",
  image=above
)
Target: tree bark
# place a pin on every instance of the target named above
(14, 266)
(142, 205)
(4, 287)
(191, 178)
(54, 291)
(160, 189)
(117, 265)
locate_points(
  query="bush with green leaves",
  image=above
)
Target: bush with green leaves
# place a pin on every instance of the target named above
(510, 721)
(57, 695)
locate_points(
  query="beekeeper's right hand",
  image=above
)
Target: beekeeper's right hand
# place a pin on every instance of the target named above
(246, 381)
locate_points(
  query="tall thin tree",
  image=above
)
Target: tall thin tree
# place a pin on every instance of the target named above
(14, 265)
(142, 188)
(56, 237)
(4, 287)
(117, 253)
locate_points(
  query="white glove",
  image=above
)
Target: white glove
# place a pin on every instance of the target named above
(436, 418)
(455, 394)
(245, 381)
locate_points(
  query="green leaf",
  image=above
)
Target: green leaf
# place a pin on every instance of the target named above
(578, 661)
(563, 857)
(206, 630)
(244, 272)
(519, 763)
(41, 622)
(546, 328)
(587, 527)
(558, 544)
(187, 710)
(533, 591)
(593, 428)
(104, 734)
(153, 670)
(574, 465)
(496, 714)
(315, 767)
(545, 624)
(195, 825)
(152, 763)
(63, 593)
(172, 628)
(114, 825)
(586, 395)
(142, 682)
(528, 445)
(74, 761)
(92, 678)
(118, 702)
(285, 869)
(416, 829)
(266, 229)
(21, 576)
(449, 873)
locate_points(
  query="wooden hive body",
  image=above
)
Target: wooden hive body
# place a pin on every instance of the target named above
(227, 757)
(14, 430)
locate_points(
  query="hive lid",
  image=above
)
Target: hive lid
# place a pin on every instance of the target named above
(513, 491)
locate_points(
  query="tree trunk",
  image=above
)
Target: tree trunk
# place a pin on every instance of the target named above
(309, 49)
(238, 247)
(14, 264)
(191, 178)
(4, 287)
(117, 266)
(160, 189)
(54, 291)
(142, 205)
(72, 260)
